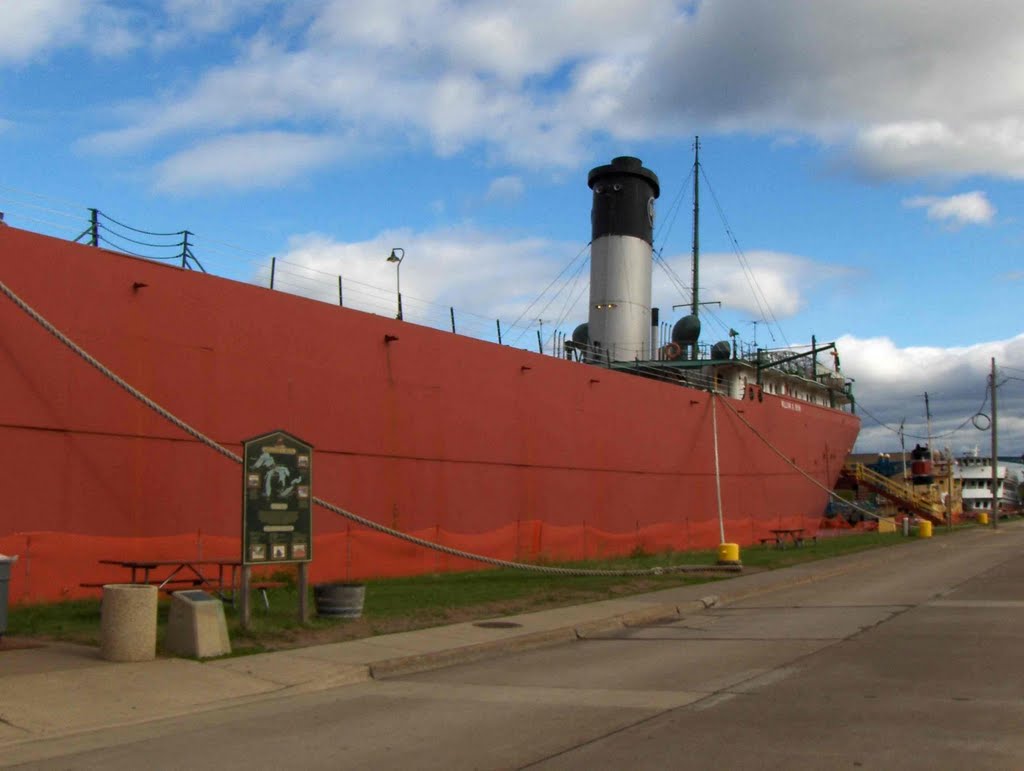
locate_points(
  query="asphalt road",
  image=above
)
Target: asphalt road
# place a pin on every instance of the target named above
(918, 663)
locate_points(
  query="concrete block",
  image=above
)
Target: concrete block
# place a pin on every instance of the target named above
(196, 626)
(128, 622)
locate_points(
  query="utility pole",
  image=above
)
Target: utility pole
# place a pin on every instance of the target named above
(903, 451)
(949, 489)
(928, 418)
(995, 451)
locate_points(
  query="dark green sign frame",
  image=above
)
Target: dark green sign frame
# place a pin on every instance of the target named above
(277, 500)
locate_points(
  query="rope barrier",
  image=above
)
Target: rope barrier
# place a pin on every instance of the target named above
(214, 445)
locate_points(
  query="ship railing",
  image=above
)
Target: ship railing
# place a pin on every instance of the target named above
(653, 369)
(689, 378)
(303, 280)
(177, 246)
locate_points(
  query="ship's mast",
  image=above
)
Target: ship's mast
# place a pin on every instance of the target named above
(696, 226)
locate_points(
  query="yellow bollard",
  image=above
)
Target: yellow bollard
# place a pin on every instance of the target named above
(982, 517)
(924, 530)
(728, 554)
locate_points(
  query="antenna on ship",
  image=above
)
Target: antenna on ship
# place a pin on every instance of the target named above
(540, 337)
(755, 322)
(696, 227)
(695, 255)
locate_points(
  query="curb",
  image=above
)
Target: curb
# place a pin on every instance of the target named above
(424, 662)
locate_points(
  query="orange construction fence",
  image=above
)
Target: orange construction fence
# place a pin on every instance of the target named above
(52, 566)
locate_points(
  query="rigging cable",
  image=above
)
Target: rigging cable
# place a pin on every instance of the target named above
(811, 479)
(529, 308)
(759, 295)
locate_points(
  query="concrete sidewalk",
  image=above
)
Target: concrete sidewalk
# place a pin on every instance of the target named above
(59, 689)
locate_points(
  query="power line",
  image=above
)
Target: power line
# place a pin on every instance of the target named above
(883, 424)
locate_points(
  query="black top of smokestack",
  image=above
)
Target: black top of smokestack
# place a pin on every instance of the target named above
(624, 193)
(629, 166)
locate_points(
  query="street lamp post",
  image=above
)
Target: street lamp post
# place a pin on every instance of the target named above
(397, 255)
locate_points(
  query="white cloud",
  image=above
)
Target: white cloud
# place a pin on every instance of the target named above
(901, 80)
(509, 188)
(771, 283)
(432, 69)
(244, 161)
(210, 15)
(895, 88)
(971, 208)
(29, 27)
(488, 275)
(484, 276)
(890, 383)
(952, 148)
(497, 40)
(188, 21)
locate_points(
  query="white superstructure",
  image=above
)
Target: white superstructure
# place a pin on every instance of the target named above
(975, 472)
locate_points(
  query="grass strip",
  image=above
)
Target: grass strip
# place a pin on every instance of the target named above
(403, 604)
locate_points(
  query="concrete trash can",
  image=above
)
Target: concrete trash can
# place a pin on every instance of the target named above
(128, 622)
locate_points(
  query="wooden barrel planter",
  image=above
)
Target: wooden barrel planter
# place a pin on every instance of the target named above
(339, 600)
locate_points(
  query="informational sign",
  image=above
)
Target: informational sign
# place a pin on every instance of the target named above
(277, 498)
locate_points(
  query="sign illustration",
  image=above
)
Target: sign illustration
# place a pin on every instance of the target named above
(277, 500)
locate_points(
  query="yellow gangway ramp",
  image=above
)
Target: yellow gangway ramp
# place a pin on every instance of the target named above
(903, 495)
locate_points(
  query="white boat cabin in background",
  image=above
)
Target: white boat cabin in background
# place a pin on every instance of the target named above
(975, 472)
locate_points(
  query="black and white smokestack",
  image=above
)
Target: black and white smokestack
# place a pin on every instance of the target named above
(622, 227)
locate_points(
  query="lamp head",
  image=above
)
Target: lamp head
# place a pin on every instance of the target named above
(394, 255)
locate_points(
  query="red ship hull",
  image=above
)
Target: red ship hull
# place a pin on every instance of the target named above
(479, 446)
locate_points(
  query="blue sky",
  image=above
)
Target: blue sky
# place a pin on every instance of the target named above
(867, 156)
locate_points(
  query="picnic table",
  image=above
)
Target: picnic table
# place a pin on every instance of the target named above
(172, 574)
(781, 535)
